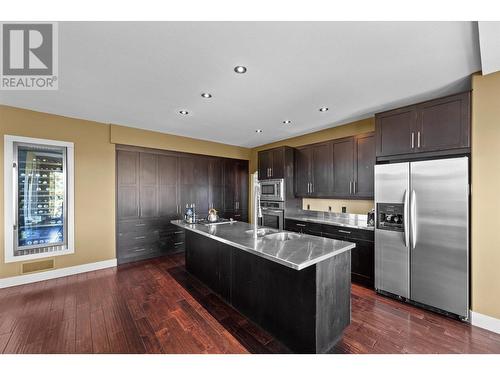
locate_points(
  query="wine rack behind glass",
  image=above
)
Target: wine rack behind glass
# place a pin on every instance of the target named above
(41, 199)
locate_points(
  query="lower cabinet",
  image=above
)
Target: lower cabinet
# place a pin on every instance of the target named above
(362, 257)
(143, 239)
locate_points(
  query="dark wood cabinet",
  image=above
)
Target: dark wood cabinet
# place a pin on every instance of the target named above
(341, 168)
(362, 257)
(313, 170)
(127, 181)
(444, 124)
(364, 168)
(264, 164)
(321, 170)
(271, 163)
(153, 188)
(148, 192)
(395, 131)
(167, 186)
(194, 182)
(236, 190)
(433, 128)
(302, 171)
(216, 184)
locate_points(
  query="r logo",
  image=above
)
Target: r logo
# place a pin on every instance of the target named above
(27, 49)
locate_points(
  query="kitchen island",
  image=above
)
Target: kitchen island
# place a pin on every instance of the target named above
(295, 286)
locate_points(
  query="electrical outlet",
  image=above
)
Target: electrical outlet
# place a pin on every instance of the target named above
(329, 208)
(344, 209)
(308, 206)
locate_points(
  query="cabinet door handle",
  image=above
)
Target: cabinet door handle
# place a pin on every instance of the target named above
(312, 187)
(354, 187)
(344, 231)
(140, 225)
(271, 169)
(178, 243)
(350, 187)
(139, 237)
(300, 225)
(179, 232)
(418, 139)
(412, 140)
(141, 249)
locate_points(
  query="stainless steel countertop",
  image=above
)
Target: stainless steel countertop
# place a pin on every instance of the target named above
(296, 253)
(340, 219)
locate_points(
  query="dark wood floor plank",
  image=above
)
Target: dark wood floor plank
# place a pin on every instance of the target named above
(83, 333)
(156, 306)
(4, 339)
(100, 341)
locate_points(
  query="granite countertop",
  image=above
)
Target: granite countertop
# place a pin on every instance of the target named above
(297, 253)
(340, 219)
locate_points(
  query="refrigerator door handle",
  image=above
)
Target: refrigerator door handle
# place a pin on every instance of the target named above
(413, 218)
(405, 218)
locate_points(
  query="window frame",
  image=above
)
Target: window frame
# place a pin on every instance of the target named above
(10, 202)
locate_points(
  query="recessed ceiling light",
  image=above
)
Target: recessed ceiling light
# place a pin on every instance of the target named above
(323, 109)
(240, 69)
(258, 131)
(287, 122)
(183, 112)
(206, 95)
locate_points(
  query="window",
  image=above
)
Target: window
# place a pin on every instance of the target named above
(38, 198)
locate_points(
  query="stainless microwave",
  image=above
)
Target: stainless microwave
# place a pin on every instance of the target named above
(272, 190)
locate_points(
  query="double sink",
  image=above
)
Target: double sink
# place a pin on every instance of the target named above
(273, 234)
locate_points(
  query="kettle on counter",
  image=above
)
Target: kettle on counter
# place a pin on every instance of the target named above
(212, 215)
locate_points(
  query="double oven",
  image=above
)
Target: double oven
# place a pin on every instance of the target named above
(272, 203)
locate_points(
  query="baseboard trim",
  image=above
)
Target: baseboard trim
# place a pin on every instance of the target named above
(485, 321)
(53, 274)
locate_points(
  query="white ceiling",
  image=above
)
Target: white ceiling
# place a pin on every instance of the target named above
(141, 74)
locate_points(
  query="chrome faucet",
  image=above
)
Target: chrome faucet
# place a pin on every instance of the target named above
(257, 211)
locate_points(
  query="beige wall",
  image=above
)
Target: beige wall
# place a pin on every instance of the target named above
(94, 182)
(485, 224)
(352, 128)
(354, 206)
(137, 137)
(94, 174)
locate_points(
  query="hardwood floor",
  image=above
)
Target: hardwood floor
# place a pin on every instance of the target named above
(155, 306)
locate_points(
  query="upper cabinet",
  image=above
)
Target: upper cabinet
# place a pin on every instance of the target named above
(444, 124)
(436, 127)
(364, 158)
(341, 168)
(395, 131)
(272, 163)
(313, 170)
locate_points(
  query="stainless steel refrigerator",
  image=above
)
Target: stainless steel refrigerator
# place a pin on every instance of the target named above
(422, 232)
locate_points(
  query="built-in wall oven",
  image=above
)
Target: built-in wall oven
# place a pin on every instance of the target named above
(272, 190)
(273, 214)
